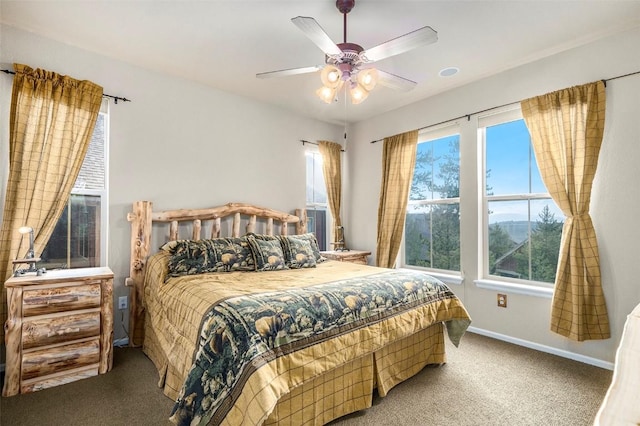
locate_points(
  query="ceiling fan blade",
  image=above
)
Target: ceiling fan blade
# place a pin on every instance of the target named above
(288, 72)
(395, 82)
(316, 34)
(412, 40)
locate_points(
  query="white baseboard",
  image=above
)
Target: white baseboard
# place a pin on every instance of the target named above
(544, 348)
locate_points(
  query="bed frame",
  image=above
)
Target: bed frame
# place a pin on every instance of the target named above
(176, 222)
(353, 382)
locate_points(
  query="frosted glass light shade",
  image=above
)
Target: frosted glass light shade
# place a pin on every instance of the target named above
(358, 94)
(327, 94)
(331, 76)
(368, 78)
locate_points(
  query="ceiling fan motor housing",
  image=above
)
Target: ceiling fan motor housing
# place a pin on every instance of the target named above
(348, 61)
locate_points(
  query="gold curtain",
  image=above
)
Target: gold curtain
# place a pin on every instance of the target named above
(398, 162)
(332, 172)
(51, 122)
(566, 133)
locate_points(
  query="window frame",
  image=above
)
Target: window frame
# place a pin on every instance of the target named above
(487, 280)
(102, 193)
(425, 136)
(315, 152)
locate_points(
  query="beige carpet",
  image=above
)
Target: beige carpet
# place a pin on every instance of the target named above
(485, 382)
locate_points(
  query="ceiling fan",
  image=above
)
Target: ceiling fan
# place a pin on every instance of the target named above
(348, 63)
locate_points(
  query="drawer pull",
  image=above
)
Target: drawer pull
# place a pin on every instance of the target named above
(63, 331)
(58, 300)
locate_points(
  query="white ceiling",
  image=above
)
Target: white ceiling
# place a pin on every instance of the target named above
(223, 44)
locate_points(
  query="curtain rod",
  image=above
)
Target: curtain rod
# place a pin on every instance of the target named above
(468, 116)
(313, 143)
(115, 98)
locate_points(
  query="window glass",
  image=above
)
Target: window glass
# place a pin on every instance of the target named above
(316, 198)
(79, 238)
(432, 230)
(523, 224)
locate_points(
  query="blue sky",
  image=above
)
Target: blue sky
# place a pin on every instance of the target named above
(509, 159)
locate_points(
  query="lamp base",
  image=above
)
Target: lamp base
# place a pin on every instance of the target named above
(32, 267)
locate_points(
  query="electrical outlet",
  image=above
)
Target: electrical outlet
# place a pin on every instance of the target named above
(122, 302)
(502, 300)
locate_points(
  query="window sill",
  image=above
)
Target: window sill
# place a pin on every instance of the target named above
(527, 290)
(446, 278)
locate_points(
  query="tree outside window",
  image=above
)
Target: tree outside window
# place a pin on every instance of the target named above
(523, 224)
(432, 230)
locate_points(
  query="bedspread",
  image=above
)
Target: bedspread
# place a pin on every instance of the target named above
(254, 347)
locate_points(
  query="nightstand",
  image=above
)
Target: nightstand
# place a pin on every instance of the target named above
(353, 256)
(59, 328)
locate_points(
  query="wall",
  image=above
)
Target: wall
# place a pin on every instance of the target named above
(178, 144)
(614, 204)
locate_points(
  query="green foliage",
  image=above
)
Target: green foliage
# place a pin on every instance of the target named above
(432, 238)
(500, 243)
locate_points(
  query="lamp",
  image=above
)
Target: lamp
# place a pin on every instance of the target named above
(368, 78)
(360, 82)
(30, 257)
(28, 230)
(358, 93)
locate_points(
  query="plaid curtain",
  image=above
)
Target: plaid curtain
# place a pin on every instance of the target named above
(332, 172)
(566, 133)
(51, 122)
(398, 162)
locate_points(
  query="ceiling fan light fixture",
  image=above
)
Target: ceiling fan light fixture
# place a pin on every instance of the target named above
(368, 78)
(358, 93)
(327, 94)
(331, 76)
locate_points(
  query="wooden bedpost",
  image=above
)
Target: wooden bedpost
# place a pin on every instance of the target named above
(141, 222)
(301, 227)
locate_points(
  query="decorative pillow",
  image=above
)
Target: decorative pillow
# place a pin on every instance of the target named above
(267, 254)
(189, 257)
(298, 253)
(314, 244)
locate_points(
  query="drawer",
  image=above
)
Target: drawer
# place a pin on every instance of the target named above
(61, 358)
(40, 331)
(60, 299)
(58, 379)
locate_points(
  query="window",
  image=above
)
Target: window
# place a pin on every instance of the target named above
(79, 238)
(432, 230)
(522, 224)
(316, 198)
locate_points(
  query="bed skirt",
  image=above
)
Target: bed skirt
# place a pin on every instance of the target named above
(341, 391)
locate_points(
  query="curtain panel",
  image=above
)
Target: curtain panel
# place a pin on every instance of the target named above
(332, 172)
(566, 133)
(398, 162)
(51, 122)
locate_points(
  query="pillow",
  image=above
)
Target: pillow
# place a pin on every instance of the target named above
(189, 257)
(298, 252)
(314, 244)
(267, 254)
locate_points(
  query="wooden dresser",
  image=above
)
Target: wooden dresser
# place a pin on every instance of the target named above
(353, 256)
(59, 328)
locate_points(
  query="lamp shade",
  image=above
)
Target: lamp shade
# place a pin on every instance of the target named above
(358, 94)
(368, 78)
(25, 229)
(327, 94)
(331, 76)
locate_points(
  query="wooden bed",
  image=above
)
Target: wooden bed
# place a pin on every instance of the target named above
(292, 380)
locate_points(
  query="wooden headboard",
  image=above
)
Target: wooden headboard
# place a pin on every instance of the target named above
(145, 223)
